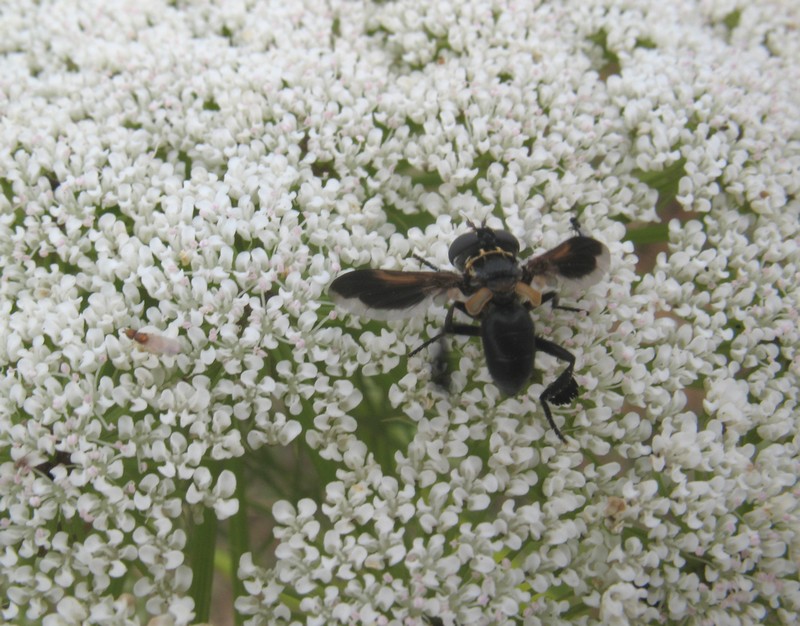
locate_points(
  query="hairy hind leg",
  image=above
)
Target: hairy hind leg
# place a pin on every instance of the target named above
(564, 389)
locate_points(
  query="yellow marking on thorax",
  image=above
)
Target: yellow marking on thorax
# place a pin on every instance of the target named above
(483, 254)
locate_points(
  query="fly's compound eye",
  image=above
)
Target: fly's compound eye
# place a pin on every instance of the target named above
(506, 241)
(463, 248)
(470, 244)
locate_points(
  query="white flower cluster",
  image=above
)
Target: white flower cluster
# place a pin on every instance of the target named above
(180, 182)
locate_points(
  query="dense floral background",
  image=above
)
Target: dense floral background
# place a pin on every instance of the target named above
(202, 170)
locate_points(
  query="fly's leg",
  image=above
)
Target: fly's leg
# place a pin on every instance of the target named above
(552, 297)
(564, 389)
(450, 328)
(440, 367)
(425, 262)
(440, 371)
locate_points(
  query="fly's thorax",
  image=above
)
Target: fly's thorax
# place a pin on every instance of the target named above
(496, 269)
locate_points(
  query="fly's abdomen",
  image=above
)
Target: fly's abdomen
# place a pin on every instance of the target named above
(509, 344)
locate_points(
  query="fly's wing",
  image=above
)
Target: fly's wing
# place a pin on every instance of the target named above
(389, 294)
(579, 262)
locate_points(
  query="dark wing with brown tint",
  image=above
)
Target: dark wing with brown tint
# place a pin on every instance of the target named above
(389, 294)
(580, 261)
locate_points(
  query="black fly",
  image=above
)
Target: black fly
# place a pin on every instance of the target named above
(493, 287)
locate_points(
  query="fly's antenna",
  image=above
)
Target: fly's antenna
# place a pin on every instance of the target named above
(469, 222)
